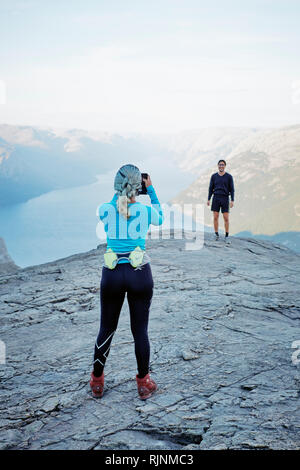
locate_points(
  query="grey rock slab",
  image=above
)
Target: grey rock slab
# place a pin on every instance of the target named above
(221, 329)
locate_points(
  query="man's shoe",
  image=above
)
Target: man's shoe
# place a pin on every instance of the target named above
(217, 238)
(146, 387)
(97, 385)
(227, 241)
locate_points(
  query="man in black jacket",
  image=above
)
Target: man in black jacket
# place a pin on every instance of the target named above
(221, 185)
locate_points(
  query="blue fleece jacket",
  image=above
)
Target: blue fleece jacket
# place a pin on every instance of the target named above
(125, 235)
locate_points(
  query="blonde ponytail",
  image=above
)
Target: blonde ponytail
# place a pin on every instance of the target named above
(122, 206)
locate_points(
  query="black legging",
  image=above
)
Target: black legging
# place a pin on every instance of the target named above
(139, 287)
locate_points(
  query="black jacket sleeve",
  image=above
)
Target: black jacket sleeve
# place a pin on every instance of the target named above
(231, 186)
(211, 187)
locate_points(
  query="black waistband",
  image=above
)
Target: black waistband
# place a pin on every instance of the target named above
(119, 255)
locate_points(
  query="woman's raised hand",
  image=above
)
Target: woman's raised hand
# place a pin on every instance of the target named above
(148, 181)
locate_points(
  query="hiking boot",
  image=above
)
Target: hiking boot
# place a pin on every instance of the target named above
(97, 385)
(146, 387)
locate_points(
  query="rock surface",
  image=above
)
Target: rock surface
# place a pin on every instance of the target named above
(6, 263)
(221, 329)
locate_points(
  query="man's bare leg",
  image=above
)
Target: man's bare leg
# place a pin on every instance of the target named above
(226, 221)
(216, 221)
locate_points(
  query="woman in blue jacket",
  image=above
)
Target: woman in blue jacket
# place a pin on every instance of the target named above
(126, 269)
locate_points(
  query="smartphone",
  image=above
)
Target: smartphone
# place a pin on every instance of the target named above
(144, 189)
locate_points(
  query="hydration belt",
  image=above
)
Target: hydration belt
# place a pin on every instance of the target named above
(135, 257)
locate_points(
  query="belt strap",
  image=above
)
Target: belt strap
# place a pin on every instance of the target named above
(119, 255)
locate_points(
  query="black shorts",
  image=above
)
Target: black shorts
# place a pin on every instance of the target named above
(220, 202)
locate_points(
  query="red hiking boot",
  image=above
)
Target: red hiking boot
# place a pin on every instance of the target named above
(97, 385)
(146, 387)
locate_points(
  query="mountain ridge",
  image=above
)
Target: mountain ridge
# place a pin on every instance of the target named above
(36, 160)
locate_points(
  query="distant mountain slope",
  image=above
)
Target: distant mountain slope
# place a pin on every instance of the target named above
(34, 161)
(198, 149)
(266, 171)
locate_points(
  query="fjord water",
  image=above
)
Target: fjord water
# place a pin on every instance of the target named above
(63, 222)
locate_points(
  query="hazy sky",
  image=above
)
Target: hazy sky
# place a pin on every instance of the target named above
(149, 66)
